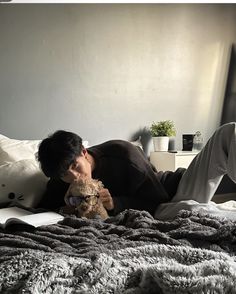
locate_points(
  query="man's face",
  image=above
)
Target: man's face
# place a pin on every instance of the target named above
(80, 168)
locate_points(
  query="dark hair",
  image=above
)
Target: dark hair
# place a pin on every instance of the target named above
(57, 152)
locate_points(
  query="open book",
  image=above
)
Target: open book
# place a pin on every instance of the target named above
(16, 215)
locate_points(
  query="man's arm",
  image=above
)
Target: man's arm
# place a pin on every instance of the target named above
(130, 178)
(53, 197)
(145, 192)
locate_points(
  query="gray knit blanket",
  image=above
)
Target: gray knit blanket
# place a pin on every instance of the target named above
(128, 253)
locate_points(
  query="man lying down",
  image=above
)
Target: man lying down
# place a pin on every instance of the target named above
(130, 181)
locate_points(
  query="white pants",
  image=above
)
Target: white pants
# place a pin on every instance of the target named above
(203, 176)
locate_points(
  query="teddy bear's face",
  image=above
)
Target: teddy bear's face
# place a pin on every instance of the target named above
(86, 203)
(84, 195)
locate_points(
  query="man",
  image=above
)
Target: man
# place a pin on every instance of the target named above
(130, 180)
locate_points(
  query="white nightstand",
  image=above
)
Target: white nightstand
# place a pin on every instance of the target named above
(171, 161)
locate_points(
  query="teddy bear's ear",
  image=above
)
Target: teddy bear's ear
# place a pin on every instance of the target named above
(100, 185)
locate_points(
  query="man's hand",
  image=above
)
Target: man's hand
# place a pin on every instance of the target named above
(106, 199)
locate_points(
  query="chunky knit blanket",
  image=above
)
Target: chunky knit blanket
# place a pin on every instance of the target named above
(128, 253)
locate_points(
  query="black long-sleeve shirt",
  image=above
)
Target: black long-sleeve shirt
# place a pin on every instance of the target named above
(128, 175)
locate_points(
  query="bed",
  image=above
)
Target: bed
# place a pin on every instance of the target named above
(128, 253)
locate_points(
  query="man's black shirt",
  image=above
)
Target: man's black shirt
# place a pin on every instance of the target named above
(128, 175)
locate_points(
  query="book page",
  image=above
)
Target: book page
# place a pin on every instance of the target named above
(14, 215)
(12, 212)
(42, 218)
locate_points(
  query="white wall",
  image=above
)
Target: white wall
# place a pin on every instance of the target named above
(108, 70)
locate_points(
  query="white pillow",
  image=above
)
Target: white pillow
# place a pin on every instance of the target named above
(12, 150)
(22, 182)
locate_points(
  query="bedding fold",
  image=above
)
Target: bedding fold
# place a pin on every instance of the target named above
(129, 253)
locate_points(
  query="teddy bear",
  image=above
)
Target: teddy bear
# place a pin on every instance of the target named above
(83, 194)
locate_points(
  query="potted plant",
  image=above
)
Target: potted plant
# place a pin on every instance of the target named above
(161, 131)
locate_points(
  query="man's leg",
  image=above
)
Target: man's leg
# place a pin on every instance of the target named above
(205, 172)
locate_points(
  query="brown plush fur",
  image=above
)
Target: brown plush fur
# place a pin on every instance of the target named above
(82, 188)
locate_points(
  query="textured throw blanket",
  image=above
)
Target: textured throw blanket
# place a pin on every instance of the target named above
(129, 253)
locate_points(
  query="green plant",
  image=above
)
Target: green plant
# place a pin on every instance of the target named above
(163, 128)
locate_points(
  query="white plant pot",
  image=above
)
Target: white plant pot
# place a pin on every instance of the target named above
(161, 143)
